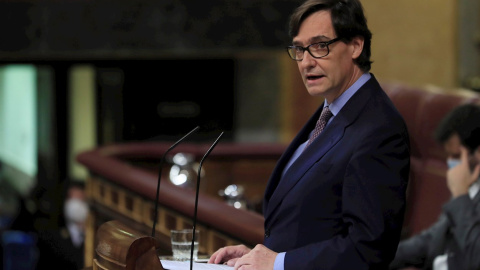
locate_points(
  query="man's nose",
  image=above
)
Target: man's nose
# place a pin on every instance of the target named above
(307, 60)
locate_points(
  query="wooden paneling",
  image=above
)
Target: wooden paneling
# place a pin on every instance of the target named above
(113, 197)
(120, 190)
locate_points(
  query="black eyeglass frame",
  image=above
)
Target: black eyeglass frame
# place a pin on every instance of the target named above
(325, 43)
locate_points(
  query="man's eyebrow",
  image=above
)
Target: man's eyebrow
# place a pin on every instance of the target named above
(296, 43)
(311, 40)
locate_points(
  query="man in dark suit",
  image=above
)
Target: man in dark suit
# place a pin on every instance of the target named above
(337, 200)
(453, 241)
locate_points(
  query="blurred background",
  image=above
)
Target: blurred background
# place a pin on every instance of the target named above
(75, 75)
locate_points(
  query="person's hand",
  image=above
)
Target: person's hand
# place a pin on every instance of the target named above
(258, 258)
(228, 255)
(460, 177)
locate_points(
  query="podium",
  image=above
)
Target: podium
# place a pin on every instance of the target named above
(121, 190)
(121, 248)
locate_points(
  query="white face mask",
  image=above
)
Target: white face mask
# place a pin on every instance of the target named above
(452, 162)
(75, 210)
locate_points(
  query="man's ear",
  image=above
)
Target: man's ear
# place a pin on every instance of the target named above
(357, 46)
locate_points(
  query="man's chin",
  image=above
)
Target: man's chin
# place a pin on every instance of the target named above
(316, 92)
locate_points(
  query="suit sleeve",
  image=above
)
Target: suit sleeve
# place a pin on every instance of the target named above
(373, 204)
(465, 219)
(414, 251)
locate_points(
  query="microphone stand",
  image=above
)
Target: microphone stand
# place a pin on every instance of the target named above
(196, 197)
(160, 176)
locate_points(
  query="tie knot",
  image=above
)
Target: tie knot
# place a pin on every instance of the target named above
(321, 123)
(326, 114)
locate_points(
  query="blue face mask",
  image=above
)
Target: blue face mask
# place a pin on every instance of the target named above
(452, 162)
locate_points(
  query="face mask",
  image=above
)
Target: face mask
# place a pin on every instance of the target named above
(452, 162)
(76, 210)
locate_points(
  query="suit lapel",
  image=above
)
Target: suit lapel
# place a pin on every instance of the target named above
(331, 135)
(438, 241)
(301, 137)
(279, 186)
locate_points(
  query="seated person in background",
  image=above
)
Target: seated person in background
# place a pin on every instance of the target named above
(453, 242)
(64, 247)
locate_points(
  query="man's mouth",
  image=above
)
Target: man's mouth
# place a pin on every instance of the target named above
(311, 78)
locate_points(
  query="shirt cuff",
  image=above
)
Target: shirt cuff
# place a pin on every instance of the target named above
(278, 265)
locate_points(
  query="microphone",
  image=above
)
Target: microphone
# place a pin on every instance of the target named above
(196, 196)
(160, 175)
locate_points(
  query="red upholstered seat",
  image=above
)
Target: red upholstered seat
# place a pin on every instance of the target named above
(422, 110)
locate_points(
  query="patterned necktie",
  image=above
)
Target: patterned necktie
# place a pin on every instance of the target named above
(321, 123)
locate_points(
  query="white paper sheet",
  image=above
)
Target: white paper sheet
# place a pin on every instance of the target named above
(185, 265)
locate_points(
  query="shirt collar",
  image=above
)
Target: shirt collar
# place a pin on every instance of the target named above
(474, 188)
(338, 103)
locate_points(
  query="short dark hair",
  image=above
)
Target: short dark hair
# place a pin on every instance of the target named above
(464, 121)
(348, 21)
(72, 183)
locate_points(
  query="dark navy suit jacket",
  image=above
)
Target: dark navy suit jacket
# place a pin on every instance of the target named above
(341, 204)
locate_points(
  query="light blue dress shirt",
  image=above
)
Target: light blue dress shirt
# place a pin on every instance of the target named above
(335, 108)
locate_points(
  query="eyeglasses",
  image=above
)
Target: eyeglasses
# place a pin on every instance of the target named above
(316, 50)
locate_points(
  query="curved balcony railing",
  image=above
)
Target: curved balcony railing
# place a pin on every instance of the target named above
(123, 183)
